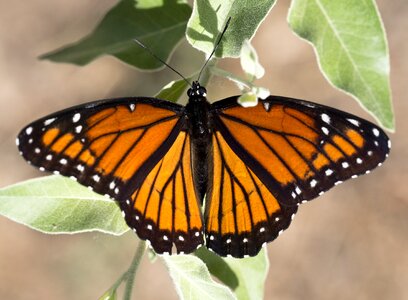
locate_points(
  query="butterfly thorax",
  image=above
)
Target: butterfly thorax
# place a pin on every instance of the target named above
(197, 111)
(199, 126)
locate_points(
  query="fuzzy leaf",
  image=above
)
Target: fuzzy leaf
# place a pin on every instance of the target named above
(209, 17)
(250, 63)
(248, 99)
(192, 279)
(350, 44)
(251, 273)
(245, 276)
(109, 295)
(158, 24)
(173, 90)
(55, 204)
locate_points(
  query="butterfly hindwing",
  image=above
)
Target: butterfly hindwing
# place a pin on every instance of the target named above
(241, 214)
(165, 209)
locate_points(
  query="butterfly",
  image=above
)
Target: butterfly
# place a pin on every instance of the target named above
(249, 168)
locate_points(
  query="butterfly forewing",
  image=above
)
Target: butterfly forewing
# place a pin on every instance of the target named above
(103, 144)
(300, 149)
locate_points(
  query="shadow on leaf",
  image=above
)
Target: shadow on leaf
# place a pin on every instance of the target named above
(218, 267)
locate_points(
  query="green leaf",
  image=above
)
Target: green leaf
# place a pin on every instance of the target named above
(245, 276)
(350, 44)
(55, 204)
(209, 17)
(250, 63)
(173, 90)
(251, 273)
(218, 267)
(151, 255)
(260, 92)
(109, 295)
(248, 99)
(158, 24)
(192, 279)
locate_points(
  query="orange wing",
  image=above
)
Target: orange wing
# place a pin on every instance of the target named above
(106, 145)
(165, 209)
(241, 214)
(121, 148)
(279, 153)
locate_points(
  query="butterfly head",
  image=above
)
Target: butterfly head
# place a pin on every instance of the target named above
(196, 91)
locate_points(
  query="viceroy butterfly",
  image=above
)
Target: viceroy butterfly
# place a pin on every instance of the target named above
(160, 160)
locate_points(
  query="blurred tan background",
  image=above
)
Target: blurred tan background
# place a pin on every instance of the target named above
(351, 243)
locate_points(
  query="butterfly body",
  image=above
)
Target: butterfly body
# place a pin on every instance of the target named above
(160, 160)
(200, 128)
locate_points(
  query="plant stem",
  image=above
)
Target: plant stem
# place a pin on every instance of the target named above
(222, 73)
(130, 274)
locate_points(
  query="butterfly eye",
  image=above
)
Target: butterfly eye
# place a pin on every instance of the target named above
(202, 91)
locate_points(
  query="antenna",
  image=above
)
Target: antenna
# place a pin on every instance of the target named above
(162, 61)
(215, 48)
(174, 70)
